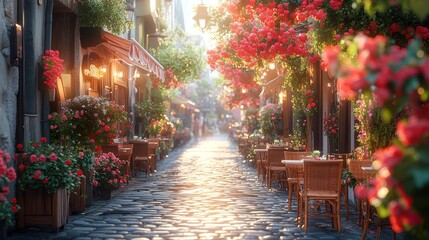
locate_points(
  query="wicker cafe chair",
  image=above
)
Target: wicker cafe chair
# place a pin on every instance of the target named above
(292, 174)
(322, 181)
(126, 153)
(140, 158)
(153, 146)
(274, 164)
(261, 155)
(344, 185)
(355, 167)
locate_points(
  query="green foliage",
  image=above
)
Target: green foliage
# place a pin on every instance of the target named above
(151, 110)
(270, 118)
(374, 132)
(110, 14)
(251, 122)
(298, 81)
(419, 7)
(184, 58)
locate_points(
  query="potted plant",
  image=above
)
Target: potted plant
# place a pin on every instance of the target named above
(8, 207)
(108, 174)
(47, 173)
(96, 15)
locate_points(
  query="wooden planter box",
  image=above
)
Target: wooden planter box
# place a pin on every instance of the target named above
(40, 208)
(78, 198)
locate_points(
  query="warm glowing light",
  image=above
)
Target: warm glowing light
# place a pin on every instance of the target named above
(272, 66)
(93, 71)
(119, 74)
(136, 74)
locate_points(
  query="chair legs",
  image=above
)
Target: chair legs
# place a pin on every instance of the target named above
(345, 188)
(335, 213)
(290, 190)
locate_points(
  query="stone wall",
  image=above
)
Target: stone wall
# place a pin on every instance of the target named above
(8, 78)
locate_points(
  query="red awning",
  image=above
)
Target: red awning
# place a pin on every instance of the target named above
(131, 52)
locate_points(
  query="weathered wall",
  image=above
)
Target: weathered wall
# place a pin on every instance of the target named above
(8, 77)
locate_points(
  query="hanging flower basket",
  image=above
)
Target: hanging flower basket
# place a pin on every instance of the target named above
(52, 68)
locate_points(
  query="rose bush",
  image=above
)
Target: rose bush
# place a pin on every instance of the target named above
(398, 78)
(87, 122)
(108, 171)
(49, 166)
(8, 207)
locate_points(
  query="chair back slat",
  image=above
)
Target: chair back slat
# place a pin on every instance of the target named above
(289, 155)
(275, 156)
(126, 152)
(113, 148)
(355, 167)
(340, 156)
(323, 175)
(140, 149)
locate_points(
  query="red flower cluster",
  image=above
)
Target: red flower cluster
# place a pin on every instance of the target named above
(7, 176)
(52, 68)
(47, 165)
(330, 126)
(395, 75)
(311, 105)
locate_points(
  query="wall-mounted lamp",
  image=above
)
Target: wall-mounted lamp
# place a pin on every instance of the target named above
(136, 74)
(103, 69)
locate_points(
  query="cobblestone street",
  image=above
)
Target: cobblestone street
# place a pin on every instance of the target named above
(203, 190)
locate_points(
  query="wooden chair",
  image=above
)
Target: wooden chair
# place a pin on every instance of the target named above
(292, 172)
(355, 167)
(344, 185)
(113, 148)
(125, 153)
(153, 154)
(364, 208)
(261, 155)
(274, 164)
(322, 181)
(140, 158)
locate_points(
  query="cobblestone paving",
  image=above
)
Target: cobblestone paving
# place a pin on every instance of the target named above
(201, 191)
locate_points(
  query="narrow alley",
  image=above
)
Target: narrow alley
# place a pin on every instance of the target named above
(203, 190)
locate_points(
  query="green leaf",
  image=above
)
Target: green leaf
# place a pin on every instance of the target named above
(411, 84)
(420, 8)
(386, 115)
(421, 176)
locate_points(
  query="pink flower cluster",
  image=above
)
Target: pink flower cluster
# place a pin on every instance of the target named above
(108, 171)
(52, 68)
